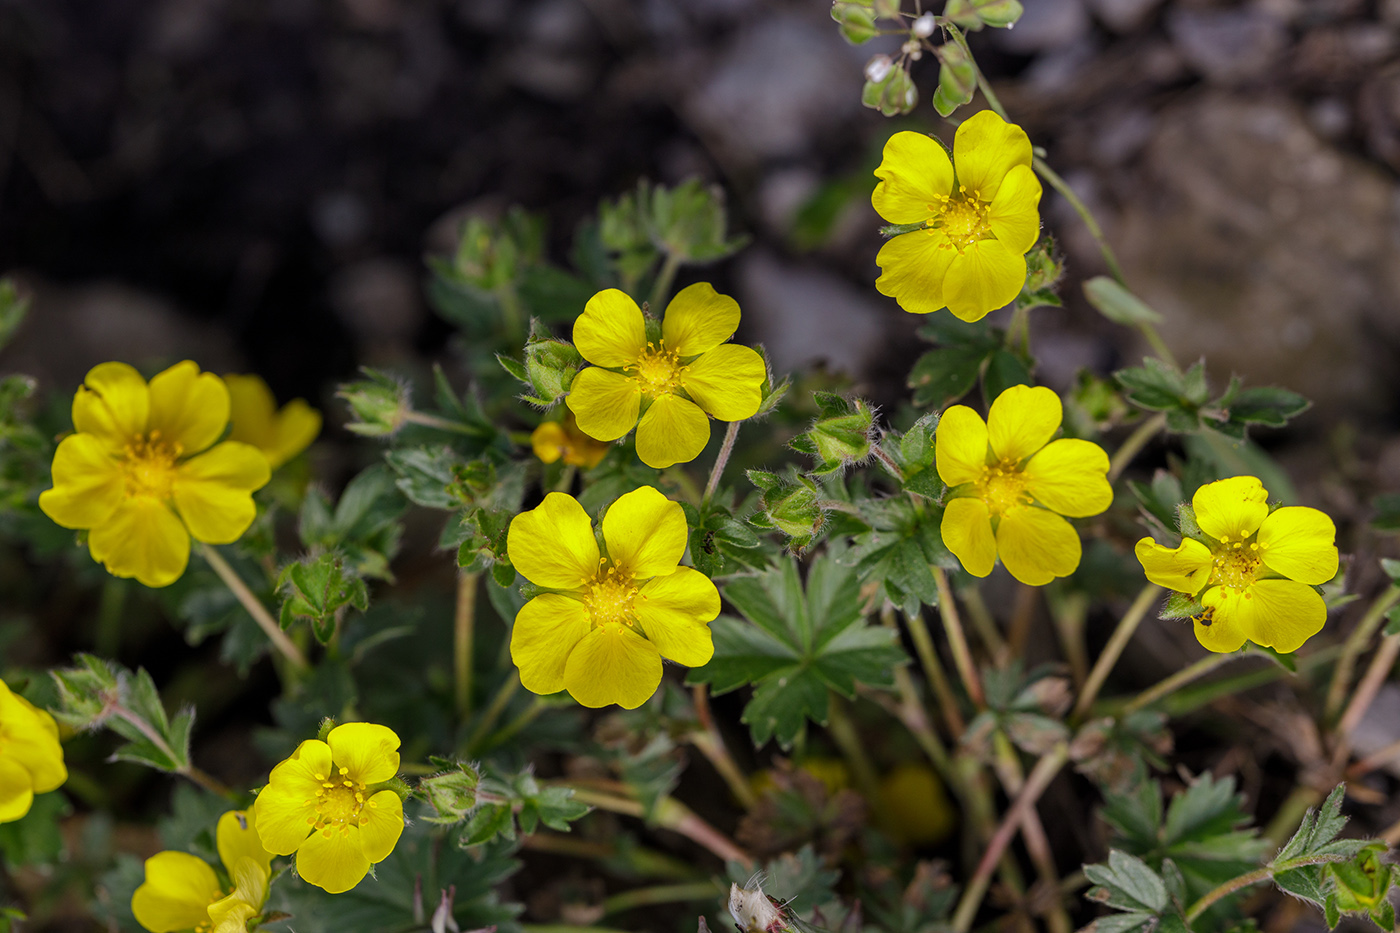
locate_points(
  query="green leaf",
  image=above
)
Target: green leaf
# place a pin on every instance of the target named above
(943, 376)
(35, 839)
(1118, 304)
(1126, 883)
(425, 473)
(1004, 370)
(1267, 405)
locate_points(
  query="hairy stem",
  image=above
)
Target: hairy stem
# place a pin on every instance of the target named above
(1178, 680)
(661, 894)
(255, 608)
(670, 814)
(936, 676)
(957, 641)
(463, 624)
(1114, 649)
(716, 471)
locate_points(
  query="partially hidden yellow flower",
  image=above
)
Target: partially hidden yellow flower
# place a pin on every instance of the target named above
(144, 473)
(980, 213)
(1011, 483)
(672, 384)
(321, 804)
(182, 892)
(31, 760)
(614, 614)
(1253, 570)
(555, 441)
(280, 434)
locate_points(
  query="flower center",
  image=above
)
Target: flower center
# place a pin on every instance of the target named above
(963, 218)
(611, 597)
(150, 465)
(1235, 564)
(1003, 487)
(338, 802)
(658, 370)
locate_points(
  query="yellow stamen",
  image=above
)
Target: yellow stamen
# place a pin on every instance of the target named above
(658, 370)
(149, 465)
(1003, 487)
(963, 218)
(611, 598)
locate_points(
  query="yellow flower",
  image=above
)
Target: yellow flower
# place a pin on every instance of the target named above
(603, 634)
(143, 472)
(680, 379)
(319, 803)
(182, 892)
(554, 441)
(280, 435)
(31, 760)
(1011, 483)
(980, 218)
(1255, 570)
(912, 806)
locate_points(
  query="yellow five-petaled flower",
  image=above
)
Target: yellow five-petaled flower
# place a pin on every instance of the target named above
(980, 213)
(182, 892)
(320, 804)
(673, 383)
(554, 440)
(31, 760)
(144, 472)
(1011, 483)
(614, 614)
(1252, 570)
(280, 433)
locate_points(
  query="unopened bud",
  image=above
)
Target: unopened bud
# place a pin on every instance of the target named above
(379, 404)
(452, 793)
(878, 68)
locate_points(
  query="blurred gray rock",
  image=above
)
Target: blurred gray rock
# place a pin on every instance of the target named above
(1124, 15)
(1228, 46)
(1045, 24)
(378, 300)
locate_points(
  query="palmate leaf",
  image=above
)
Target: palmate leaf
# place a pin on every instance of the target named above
(795, 644)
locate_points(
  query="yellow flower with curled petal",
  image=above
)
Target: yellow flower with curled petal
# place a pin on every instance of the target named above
(612, 615)
(321, 804)
(1252, 569)
(280, 434)
(554, 441)
(1011, 484)
(31, 760)
(672, 384)
(182, 892)
(980, 213)
(144, 473)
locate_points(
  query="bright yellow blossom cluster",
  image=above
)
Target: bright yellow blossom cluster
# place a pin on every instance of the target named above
(31, 760)
(553, 441)
(147, 468)
(1253, 570)
(612, 614)
(674, 384)
(183, 892)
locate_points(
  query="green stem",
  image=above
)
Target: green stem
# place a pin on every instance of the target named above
(255, 608)
(1226, 889)
(716, 471)
(1070, 611)
(1134, 444)
(423, 419)
(202, 778)
(669, 813)
(1356, 642)
(843, 733)
(1178, 680)
(462, 641)
(661, 288)
(936, 676)
(1114, 649)
(526, 716)
(711, 744)
(661, 894)
(957, 640)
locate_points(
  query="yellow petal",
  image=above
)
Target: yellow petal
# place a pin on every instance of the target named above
(1185, 568)
(297, 425)
(112, 403)
(250, 880)
(1015, 214)
(237, 837)
(1299, 543)
(645, 533)
(214, 491)
(1231, 509)
(699, 319)
(914, 174)
(1280, 614)
(87, 483)
(548, 441)
(142, 539)
(982, 278)
(1069, 476)
(1220, 628)
(252, 410)
(967, 532)
(290, 797)
(31, 741)
(176, 893)
(16, 791)
(673, 430)
(610, 331)
(613, 664)
(546, 630)
(727, 382)
(985, 149)
(960, 446)
(1022, 420)
(381, 831)
(368, 752)
(552, 545)
(913, 268)
(674, 610)
(188, 407)
(605, 404)
(333, 860)
(1036, 545)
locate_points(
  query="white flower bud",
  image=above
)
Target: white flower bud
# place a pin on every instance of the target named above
(923, 26)
(878, 69)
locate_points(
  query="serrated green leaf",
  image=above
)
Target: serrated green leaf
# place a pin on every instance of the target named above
(943, 376)
(1128, 884)
(1267, 405)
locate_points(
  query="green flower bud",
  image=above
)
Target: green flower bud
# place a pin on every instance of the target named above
(792, 506)
(1364, 882)
(379, 404)
(842, 433)
(550, 365)
(452, 793)
(1043, 269)
(857, 20)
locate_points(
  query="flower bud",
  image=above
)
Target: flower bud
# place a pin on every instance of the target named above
(842, 433)
(551, 365)
(452, 793)
(379, 404)
(878, 68)
(791, 505)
